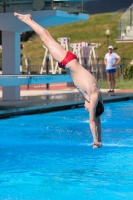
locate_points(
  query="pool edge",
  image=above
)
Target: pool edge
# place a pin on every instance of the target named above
(28, 110)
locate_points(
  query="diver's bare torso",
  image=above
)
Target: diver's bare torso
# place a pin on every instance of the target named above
(83, 80)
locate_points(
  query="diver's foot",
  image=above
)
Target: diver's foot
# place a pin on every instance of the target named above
(23, 18)
(97, 145)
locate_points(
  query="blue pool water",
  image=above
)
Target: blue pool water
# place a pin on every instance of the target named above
(50, 157)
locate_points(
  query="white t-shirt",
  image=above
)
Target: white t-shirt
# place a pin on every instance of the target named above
(111, 59)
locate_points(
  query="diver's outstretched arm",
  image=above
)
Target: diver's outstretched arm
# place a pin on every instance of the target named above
(98, 124)
(95, 124)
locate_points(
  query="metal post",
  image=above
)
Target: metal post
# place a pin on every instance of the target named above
(47, 71)
(108, 35)
(123, 68)
(119, 29)
(4, 6)
(28, 67)
(97, 70)
(82, 6)
(131, 16)
(52, 6)
(123, 35)
(28, 72)
(107, 41)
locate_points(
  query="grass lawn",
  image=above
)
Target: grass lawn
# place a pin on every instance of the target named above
(120, 84)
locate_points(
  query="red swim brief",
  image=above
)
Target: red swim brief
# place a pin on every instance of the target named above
(69, 56)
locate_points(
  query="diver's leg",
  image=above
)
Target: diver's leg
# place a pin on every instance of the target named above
(56, 50)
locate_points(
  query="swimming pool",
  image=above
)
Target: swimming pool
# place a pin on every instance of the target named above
(50, 157)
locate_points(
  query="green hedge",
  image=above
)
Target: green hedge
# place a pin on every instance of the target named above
(128, 72)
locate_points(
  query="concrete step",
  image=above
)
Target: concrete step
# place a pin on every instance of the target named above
(130, 34)
(128, 38)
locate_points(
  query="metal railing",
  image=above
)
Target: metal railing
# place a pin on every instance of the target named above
(97, 68)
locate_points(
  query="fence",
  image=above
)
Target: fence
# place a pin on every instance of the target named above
(96, 67)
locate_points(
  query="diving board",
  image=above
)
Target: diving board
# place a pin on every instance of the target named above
(17, 80)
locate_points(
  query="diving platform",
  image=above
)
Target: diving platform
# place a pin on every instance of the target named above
(46, 18)
(17, 80)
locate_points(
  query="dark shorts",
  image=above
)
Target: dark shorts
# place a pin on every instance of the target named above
(69, 56)
(110, 70)
(99, 109)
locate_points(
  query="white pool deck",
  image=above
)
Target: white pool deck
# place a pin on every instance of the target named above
(25, 93)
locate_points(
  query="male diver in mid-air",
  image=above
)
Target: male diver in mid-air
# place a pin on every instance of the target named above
(83, 79)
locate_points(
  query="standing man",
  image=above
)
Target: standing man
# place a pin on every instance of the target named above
(111, 59)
